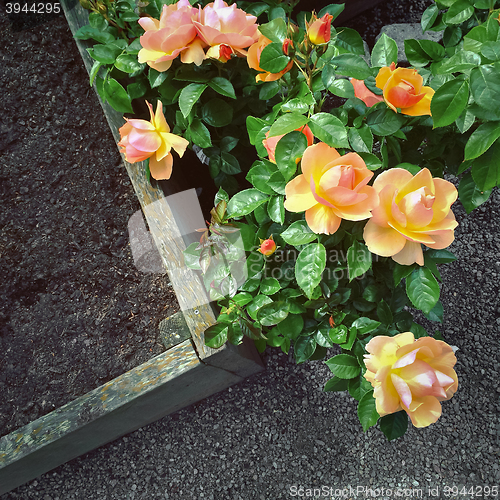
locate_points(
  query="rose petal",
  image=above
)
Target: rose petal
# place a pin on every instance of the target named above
(322, 219)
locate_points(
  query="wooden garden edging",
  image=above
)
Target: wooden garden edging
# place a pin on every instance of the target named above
(182, 375)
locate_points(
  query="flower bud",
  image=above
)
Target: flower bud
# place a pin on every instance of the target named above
(220, 52)
(287, 45)
(267, 247)
(86, 4)
(102, 8)
(319, 31)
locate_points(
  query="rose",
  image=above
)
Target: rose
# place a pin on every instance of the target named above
(267, 247)
(362, 92)
(220, 53)
(172, 35)
(330, 188)
(413, 375)
(403, 89)
(253, 60)
(270, 143)
(219, 24)
(141, 139)
(412, 210)
(319, 31)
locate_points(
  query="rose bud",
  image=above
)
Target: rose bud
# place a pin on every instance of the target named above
(267, 247)
(287, 45)
(220, 53)
(319, 31)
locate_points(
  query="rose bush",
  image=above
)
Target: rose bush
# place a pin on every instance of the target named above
(253, 60)
(413, 210)
(141, 140)
(413, 375)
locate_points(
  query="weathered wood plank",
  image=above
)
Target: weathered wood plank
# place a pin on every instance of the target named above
(165, 384)
(159, 211)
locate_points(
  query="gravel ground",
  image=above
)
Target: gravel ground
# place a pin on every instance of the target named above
(276, 432)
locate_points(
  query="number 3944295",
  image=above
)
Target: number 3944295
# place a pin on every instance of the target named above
(35, 8)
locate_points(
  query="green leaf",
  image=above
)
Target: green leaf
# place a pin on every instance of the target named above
(272, 58)
(491, 50)
(459, 62)
(429, 17)
(459, 12)
(415, 54)
(298, 233)
(342, 88)
(401, 272)
(481, 140)
(440, 256)
(485, 86)
(329, 129)
(189, 96)
(338, 335)
(216, 335)
(486, 169)
(309, 267)
(344, 366)
(259, 176)
(304, 348)
(384, 52)
(105, 54)
(384, 313)
(422, 289)
(359, 259)
(292, 326)
(351, 40)
(268, 90)
(384, 122)
(353, 333)
(217, 113)
(275, 30)
(288, 123)
(358, 387)
(254, 127)
(136, 89)
(117, 96)
(156, 78)
(352, 65)
(297, 104)
(235, 334)
(88, 32)
(367, 411)
(449, 102)
(244, 202)
(336, 384)
(269, 286)
(366, 325)
(272, 313)
(277, 183)
(222, 86)
(289, 149)
(361, 139)
(436, 313)
(470, 195)
(276, 209)
(372, 161)
(433, 49)
(94, 71)
(394, 425)
(200, 134)
(128, 63)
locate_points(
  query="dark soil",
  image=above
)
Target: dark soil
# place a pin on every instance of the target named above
(74, 310)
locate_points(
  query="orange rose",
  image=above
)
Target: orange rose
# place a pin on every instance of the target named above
(253, 59)
(330, 188)
(319, 31)
(403, 89)
(270, 143)
(412, 210)
(411, 375)
(362, 92)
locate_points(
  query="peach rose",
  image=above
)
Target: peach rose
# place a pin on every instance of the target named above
(319, 31)
(141, 139)
(362, 92)
(403, 89)
(172, 35)
(253, 60)
(412, 210)
(270, 143)
(219, 23)
(412, 375)
(330, 188)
